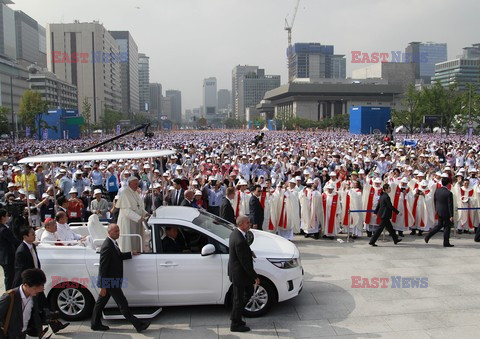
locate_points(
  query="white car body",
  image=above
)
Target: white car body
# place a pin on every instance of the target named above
(162, 279)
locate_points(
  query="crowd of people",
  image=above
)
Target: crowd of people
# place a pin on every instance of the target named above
(311, 183)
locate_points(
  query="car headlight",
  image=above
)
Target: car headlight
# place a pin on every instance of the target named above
(285, 263)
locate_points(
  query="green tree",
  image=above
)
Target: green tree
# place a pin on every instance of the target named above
(110, 119)
(412, 116)
(86, 115)
(140, 118)
(231, 123)
(4, 124)
(32, 110)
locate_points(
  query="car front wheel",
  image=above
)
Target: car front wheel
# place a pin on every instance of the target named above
(72, 303)
(264, 296)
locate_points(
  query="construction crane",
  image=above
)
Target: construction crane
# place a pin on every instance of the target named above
(288, 28)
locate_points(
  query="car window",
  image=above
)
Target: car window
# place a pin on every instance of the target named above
(177, 239)
(214, 224)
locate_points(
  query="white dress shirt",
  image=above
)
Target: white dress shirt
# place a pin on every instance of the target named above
(66, 234)
(27, 305)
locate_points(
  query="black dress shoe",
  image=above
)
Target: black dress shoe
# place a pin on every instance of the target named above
(306, 235)
(448, 245)
(56, 325)
(369, 234)
(459, 231)
(316, 236)
(426, 240)
(413, 232)
(143, 326)
(396, 242)
(241, 328)
(374, 245)
(420, 233)
(400, 234)
(100, 327)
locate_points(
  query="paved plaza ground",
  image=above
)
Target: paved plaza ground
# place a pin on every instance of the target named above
(329, 307)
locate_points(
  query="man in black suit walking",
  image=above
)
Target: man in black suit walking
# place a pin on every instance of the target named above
(256, 209)
(24, 305)
(241, 273)
(188, 199)
(226, 208)
(8, 246)
(443, 200)
(110, 281)
(384, 210)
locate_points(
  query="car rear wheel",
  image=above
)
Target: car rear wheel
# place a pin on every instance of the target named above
(72, 303)
(264, 296)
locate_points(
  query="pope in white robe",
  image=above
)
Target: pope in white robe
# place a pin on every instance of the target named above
(131, 216)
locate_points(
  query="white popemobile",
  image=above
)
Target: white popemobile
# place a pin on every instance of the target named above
(197, 276)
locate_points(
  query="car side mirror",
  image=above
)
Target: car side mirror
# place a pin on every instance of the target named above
(207, 250)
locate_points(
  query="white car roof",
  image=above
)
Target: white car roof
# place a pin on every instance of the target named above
(88, 156)
(175, 212)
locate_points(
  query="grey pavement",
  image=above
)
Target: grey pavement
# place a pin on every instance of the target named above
(329, 307)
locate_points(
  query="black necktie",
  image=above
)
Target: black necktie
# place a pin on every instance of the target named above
(177, 200)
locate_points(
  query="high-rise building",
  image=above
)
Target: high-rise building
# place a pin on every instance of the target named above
(426, 56)
(156, 100)
(176, 105)
(87, 56)
(472, 52)
(237, 73)
(210, 98)
(315, 61)
(8, 42)
(31, 40)
(252, 89)
(57, 93)
(458, 72)
(144, 82)
(166, 107)
(129, 71)
(224, 99)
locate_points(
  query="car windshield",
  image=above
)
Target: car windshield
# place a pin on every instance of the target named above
(214, 224)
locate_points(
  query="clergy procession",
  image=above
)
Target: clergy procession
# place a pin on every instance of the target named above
(317, 184)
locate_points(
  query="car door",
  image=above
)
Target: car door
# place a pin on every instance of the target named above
(188, 278)
(140, 278)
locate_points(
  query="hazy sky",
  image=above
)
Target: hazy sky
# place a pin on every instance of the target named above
(189, 40)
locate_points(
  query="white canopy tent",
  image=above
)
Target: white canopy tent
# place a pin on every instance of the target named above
(89, 156)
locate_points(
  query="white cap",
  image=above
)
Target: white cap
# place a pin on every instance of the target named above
(242, 182)
(333, 174)
(73, 190)
(424, 183)
(32, 197)
(310, 181)
(45, 195)
(22, 191)
(156, 185)
(361, 171)
(97, 191)
(198, 192)
(292, 181)
(445, 175)
(297, 178)
(377, 181)
(404, 180)
(330, 186)
(11, 184)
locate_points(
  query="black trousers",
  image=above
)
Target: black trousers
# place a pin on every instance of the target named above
(9, 274)
(385, 223)
(241, 295)
(122, 304)
(444, 223)
(477, 235)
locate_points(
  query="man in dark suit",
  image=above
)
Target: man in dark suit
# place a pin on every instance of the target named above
(110, 281)
(176, 197)
(188, 199)
(241, 273)
(256, 209)
(8, 246)
(25, 316)
(170, 244)
(384, 210)
(26, 257)
(226, 208)
(443, 201)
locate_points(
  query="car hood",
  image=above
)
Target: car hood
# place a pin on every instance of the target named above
(267, 245)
